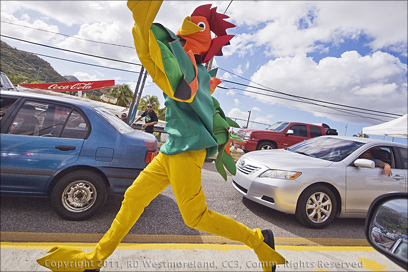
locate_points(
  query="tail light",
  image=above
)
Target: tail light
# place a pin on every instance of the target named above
(150, 156)
(150, 145)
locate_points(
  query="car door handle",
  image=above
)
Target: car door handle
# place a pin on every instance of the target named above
(65, 147)
(398, 177)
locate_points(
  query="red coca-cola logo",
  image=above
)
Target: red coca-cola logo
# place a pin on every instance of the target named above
(77, 86)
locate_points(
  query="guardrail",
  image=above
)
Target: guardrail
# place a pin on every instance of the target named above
(158, 129)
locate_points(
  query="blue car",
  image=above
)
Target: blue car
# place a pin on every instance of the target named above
(74, 152)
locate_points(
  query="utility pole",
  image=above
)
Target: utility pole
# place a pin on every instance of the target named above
(209, 64)
(249, 115)
(140, 92)
(136, 96)
(37, 74)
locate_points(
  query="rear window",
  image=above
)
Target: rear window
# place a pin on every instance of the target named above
(315, 131)
(404, 153)
(112, 119)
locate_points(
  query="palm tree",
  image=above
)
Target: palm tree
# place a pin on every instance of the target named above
(361, 135)
(123, 94)
(154, 100)
(147, 99)
(161, 113)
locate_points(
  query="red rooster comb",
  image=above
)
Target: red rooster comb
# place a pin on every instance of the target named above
(215, 19)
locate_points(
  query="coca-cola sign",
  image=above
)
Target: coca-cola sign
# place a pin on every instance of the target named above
(72, 86)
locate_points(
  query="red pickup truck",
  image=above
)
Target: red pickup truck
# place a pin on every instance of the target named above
(280, 135)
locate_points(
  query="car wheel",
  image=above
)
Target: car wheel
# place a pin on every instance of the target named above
(265, 146)
(316, 207)
(79, 195)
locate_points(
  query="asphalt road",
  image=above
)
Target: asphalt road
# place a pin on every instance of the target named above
(162, 217)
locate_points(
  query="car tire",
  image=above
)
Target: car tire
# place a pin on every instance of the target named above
(316, 207)
(79, 195)
(265, 145)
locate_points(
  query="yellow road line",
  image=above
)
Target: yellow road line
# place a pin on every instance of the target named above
(47, 246)
(183, 239)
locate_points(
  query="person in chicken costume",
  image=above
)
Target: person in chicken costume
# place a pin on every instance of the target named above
(197, 129)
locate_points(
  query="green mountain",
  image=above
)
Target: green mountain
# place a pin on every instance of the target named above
(71, 78)
(22, 67)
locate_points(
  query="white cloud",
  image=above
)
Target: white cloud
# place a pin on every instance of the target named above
(301, 27)
(236, 102)
(256, 109)
(236, 114)
(231, 92)
(26, 30)
(81, 76)
(287, 32)
(238, 70)
(372, 82)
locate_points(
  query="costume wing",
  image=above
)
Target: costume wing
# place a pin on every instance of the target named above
(171, 68)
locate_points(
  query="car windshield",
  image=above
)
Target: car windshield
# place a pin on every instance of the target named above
(279, 126)
(112, 119)
(5, 83)
(331, 149)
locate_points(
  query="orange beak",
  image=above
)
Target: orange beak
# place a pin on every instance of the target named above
(196, 31)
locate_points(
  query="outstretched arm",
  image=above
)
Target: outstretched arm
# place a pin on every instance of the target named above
(175, 74)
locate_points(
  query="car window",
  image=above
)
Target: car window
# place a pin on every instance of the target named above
(331, 149)
(5, 83)
(383, 154)
(315, 131)
(404, 154)
(279, 126)
(5, 104)
(49, 120)
(26, 121)
(76, 126)
(112, 119)
(299, 130)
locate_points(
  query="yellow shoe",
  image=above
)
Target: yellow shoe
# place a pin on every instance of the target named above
(63, 258)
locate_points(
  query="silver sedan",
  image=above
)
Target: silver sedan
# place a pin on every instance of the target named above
(323, 177)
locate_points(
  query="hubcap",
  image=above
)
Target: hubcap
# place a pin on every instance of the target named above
(318, 207)
(79, 196)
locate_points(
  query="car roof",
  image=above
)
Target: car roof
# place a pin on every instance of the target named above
(76, 102)
(365, 140)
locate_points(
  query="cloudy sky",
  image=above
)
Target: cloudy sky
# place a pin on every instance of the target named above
(343, 63)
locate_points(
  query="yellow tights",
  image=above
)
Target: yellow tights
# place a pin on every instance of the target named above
(183, 172)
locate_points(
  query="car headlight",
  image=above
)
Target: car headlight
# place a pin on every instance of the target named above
(247, 135)
(280, 174)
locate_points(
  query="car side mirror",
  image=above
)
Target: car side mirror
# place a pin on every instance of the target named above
(289, 132)
(386, 227)
(364, 163)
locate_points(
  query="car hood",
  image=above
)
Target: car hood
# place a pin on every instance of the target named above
(283, 159)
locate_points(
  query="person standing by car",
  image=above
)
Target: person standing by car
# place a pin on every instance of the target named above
(150, 120)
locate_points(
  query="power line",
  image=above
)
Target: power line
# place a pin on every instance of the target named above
(311, 103)
(267, 89)
(71, 51)
(90, 64)
(305, 98)
(69, 36)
